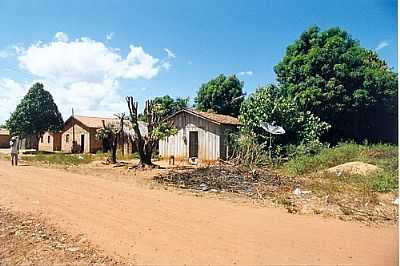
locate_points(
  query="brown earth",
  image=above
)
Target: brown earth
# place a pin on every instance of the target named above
(155, 226)
(354, 168)
(27, 240)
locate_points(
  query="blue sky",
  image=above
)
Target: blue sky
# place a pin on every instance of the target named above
(105, 50)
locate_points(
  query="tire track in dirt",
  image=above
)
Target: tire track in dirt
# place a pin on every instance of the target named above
(161, 227)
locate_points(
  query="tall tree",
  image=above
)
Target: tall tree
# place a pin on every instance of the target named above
(170, 105)
(222, 95)
(35, 114)
(349, 87)
(157, 128)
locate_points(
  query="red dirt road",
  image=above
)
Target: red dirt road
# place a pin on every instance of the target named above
(150, 226)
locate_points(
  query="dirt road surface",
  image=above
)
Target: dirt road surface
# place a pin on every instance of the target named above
(153, 226)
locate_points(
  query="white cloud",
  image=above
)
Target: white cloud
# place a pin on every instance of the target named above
(87, 60)
(166, 65)
(11, 92)
(381, 45)
(109, 36)
(170, 54)
(82, 74)
(61, 37)
(4, 54)
(248, 73)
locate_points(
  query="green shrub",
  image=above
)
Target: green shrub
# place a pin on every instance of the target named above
(384, 183)
(383, 155)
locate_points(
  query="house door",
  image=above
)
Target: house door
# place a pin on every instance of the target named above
(82, 143)
(193, 144)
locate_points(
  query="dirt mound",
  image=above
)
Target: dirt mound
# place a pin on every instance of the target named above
(354, 168)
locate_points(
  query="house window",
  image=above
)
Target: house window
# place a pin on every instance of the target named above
(41, 139)
(48, 139)
(67, 138)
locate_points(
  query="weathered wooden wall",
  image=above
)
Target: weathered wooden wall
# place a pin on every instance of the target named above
(210, 135)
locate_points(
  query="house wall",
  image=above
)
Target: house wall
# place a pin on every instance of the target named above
(4, 141)
(95, 144)
(67, 137)
(211, 141)
(50, 142)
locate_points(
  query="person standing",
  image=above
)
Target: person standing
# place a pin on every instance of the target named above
(14, 144)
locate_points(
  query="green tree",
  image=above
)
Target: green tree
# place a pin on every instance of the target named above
(170, 105)
(157, 128)
(350, 87)
(267, 104)
(35, 114)
(222, 95)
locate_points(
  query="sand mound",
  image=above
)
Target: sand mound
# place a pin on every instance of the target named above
(354, 168)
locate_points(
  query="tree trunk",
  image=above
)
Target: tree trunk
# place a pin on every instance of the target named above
(114, 144)
(37, 142)
(113, 155)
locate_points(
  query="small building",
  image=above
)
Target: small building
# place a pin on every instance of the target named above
(81, 130)
(4, 138)
(200, 135)
(50, 141)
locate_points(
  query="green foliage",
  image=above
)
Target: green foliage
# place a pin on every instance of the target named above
(246, 150)
(105, 133)
(381, 155)
(163, 130)
(327, 157)
(62, 158)
(222, 95)
(35, 114)
(268, 105)
(345, 85)
(169, 105)
(384, 183)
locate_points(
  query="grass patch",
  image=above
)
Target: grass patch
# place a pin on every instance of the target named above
(63, 159)
(382, 155)
(56, 158)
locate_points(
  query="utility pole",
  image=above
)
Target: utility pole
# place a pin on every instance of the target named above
(73, 132)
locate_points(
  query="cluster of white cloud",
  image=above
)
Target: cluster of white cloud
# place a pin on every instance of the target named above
(82, 74)
(381, 45)
(248, 73)
(11, 92)
(109, 36)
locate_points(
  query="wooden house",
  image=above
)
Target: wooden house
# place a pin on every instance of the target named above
(201, 135)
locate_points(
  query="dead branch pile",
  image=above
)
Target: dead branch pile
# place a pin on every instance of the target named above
(229, 179)
(289, 192)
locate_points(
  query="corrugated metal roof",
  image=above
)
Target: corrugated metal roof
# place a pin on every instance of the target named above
(216, 118)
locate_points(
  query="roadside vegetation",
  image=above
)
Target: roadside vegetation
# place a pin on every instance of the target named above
(334, 101)
(72, 159)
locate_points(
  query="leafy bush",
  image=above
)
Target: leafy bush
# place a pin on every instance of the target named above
(384, 183)
(267, 105)
(246, 150)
